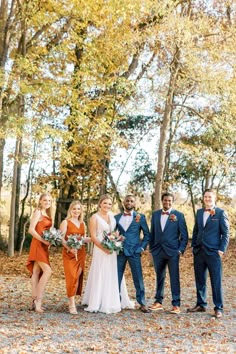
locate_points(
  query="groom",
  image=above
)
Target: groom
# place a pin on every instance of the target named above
(130, 224)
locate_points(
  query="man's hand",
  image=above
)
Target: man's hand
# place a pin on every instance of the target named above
(220, 253)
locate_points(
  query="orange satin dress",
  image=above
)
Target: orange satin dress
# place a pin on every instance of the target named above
(74, 281)
(38, 250)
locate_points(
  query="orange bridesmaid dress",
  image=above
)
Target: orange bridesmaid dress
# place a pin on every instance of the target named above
(74, 282)
(38, 250)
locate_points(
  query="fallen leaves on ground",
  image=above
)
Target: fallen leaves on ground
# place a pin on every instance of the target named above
(130, 331)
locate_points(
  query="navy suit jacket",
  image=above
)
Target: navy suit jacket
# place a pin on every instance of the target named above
(133, 243)
(214, 236)
(173, 238)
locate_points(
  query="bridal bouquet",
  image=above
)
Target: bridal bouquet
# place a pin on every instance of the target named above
(113, 241)
(53, 236)
(76, 241)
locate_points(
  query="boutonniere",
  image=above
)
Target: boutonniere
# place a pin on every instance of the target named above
(173, 217)
(137, 217)
(212, 212)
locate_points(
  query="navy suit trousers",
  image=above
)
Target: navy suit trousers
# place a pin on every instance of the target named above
(212, 262)
(136, 271)
(161, 261)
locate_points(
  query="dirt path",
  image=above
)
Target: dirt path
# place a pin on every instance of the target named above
(130, 331)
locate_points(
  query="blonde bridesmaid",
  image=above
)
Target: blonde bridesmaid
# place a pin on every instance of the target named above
(73, 259)
(38, 260)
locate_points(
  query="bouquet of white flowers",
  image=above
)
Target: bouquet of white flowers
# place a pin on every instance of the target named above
(76, 241)
(53, 236)
(113, 241)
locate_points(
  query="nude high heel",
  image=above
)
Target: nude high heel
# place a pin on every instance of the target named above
(33, 304)
(38, 305)
(73, 310)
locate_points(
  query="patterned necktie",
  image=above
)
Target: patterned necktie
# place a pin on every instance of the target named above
(127, 214)
(165, 213)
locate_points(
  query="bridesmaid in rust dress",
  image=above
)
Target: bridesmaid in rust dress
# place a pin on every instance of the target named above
(74, 268)
(38, 260)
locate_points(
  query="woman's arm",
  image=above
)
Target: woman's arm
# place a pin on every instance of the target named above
(86, 238)
(93, 229)
(35, 219)
(63, 229)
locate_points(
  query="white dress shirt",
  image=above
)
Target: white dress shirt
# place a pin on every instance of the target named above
(206, 215)
(125, 221)
(164, 218)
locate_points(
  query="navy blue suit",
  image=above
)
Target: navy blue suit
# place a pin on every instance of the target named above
(165, 247)
(206, 242)
(133, 246)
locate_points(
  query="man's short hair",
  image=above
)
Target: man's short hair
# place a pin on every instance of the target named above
(129, 195)
(167, 194)
(210, 190)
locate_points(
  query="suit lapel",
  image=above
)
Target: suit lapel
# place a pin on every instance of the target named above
(200, 215)
(210, 217)
(118, 221)
(168, 220)
(134, 216)
(158, 220)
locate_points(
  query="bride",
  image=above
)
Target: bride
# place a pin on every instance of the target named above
(102, 289)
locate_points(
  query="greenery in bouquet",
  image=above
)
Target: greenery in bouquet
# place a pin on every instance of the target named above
(75, 241)
(113, 241)
(53, 236)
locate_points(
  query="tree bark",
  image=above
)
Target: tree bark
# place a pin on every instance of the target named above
(164, 128)
(13, 203)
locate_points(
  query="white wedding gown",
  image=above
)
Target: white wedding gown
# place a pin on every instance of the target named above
(102, 290)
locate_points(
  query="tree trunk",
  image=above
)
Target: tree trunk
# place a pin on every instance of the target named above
(114, 187)
(18, 190)
(192, 199)
(13, 202)
(164, 131)
(22, 222)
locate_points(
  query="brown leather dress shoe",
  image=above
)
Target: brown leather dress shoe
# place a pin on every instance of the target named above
(218, 314)
(156, 307)
(144, 309)
(197, 308)
(175, 310)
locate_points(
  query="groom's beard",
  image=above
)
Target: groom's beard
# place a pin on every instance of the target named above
(129, 208)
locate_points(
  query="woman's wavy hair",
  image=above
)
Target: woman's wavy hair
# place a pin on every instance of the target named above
(39, 206)
(72, 204)
(102, 198)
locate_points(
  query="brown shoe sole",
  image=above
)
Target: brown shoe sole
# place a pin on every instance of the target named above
(156, 309)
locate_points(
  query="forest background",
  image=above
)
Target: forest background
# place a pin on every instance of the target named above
(115, 96)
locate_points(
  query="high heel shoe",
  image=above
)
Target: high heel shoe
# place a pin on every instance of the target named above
(38, 305)
(72, 310)
(33, 305)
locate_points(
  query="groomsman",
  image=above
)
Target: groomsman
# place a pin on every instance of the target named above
(209, 242)
(169, 238)
(130, 224)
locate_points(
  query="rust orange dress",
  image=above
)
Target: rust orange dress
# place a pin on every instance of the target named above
(74, 282)
(38, 250)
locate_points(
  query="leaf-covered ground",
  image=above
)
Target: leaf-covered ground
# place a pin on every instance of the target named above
(130, 331)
